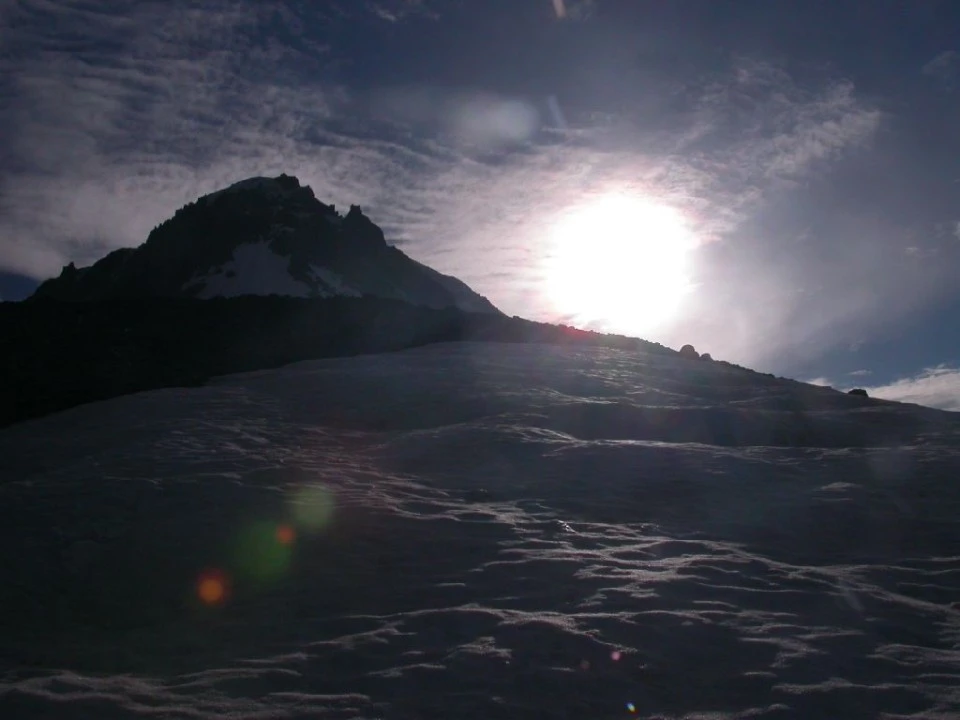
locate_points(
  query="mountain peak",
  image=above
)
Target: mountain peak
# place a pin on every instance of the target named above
(280, 187)
(264, 236)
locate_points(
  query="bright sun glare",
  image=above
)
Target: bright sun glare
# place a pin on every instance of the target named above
(620, 263)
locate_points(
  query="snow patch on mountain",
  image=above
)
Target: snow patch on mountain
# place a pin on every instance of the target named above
(464, 298)
(254, 270)
(335, 282)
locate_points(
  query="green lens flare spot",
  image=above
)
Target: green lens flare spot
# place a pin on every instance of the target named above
(261, 555)
(313, 507)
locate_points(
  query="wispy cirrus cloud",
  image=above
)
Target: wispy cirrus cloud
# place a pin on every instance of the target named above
(110, 134)
(828, 125)
(765, 127)
(944, 67)
(397, 10)
(574, 9)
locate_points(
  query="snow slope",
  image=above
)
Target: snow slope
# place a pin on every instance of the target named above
(482, 531)
(465, 298)
(253, 270)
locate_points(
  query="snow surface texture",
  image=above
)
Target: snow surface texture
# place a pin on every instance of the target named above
(477, 531)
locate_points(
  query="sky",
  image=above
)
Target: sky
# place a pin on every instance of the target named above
(803, 153)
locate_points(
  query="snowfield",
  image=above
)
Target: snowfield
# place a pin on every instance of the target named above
(486, 531)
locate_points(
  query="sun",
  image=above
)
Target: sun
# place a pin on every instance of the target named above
(619, 263)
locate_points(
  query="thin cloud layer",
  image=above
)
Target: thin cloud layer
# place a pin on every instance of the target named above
(937, 387)
(944, 67)
(162, 103)
(397, 10)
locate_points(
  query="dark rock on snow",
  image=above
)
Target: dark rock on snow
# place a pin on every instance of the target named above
(688, 351)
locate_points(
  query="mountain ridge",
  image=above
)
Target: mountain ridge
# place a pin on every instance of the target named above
(263, 236)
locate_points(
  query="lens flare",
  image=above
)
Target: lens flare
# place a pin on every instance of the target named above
(286, 535)
(313, 507)
(260, 554)
(212, 587)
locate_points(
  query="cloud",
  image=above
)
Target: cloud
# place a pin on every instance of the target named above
(396, 10)
(777, 130)
(937, 387)
(786, 282)
(820, 381)
(465, 118)
(162, 103)
(574, 9)
(861, 373)
(829, 125)
(943, 67)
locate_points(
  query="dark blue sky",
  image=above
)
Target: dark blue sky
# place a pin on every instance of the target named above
(807, 149)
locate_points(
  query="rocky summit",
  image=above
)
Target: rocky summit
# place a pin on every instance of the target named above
(264, 236)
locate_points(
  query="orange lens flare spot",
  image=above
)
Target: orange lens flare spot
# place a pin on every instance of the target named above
(286, 535)
(211, 591)
(212, 587)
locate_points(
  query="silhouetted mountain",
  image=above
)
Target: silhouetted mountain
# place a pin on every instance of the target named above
(264, 236)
